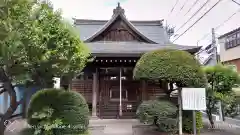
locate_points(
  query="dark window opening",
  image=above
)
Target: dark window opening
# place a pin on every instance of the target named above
(232, 41)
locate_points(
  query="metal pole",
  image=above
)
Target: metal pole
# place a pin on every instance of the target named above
(194, 123)
(180, 110)
(220, 111)
(214, 44)
(120, 92)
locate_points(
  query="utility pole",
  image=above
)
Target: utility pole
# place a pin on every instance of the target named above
(214, 44)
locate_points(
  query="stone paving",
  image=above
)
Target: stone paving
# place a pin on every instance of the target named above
(124, 127)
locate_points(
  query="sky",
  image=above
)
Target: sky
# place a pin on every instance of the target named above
(161, 9)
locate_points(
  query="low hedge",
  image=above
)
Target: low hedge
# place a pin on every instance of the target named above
(29, 131)
(61, 112)
(161, 113)
(164, 115)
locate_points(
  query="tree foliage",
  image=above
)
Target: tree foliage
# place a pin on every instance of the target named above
(172, 66)
(54, 47)
(70, 113)
(40, 45)
(160, 113)
(36, 45)
(221, 80)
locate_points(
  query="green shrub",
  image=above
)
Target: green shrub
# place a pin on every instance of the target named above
(159, 113)
(69, 112)
(188, 121)
(171, 66)
(29, 131)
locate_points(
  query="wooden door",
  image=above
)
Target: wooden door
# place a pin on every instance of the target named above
(108, 107)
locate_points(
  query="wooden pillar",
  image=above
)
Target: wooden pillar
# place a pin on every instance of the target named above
(94, 95)
(120, 92)
(144, 90)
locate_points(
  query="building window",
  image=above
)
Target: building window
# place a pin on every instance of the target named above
(238, 38)
(115, 94)
(232, 40)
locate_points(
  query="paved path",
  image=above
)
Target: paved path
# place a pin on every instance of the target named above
(221, 128)
(97, 127)
(114, 127)
(124, 127)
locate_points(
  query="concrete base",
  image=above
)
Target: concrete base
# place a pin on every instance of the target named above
(94, 118)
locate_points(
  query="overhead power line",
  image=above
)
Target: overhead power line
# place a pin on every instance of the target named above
(184, 4)
(192, 6)
(186, 1)
(193, 15)
(219, 26)
(198, 20)
(236, 2)
(174, 6)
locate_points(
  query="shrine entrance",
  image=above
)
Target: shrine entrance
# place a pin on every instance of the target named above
(119, 98)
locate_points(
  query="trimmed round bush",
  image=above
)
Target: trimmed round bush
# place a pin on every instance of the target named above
(171, 66)
(159, 113)
(67, 110)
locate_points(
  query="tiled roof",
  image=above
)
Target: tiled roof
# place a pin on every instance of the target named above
(133, 48)
(111, 21)
(153, 34)
(229, 33)
(153, 30)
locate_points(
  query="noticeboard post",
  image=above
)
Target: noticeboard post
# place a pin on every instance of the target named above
(194, 99)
